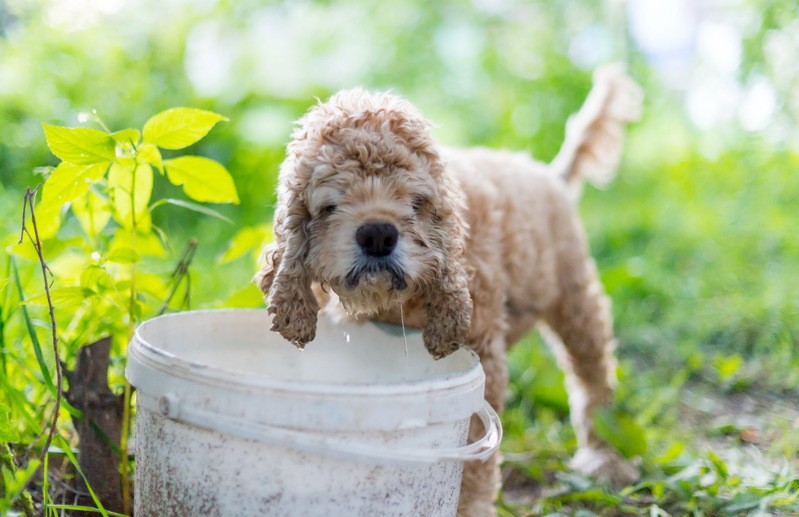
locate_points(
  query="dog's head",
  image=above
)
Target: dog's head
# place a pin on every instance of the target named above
(366, 209)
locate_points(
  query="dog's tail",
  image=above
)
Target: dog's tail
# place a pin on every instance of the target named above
(595, 134)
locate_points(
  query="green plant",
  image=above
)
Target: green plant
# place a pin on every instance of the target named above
(105, 257)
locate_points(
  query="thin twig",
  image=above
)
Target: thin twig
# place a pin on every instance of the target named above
(29, 201)
(181, 270)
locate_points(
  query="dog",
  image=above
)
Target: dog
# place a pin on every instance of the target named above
(475, 246)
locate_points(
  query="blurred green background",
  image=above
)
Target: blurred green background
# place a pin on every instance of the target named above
(696, 240)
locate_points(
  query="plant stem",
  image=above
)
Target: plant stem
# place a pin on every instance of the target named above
(30, 196)
(126, 414)
(3, 364)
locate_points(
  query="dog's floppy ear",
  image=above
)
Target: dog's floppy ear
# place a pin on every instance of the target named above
(284, 278)
(449, 313)
(448, 303)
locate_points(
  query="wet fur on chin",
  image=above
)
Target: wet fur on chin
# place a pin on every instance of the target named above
(374, 292)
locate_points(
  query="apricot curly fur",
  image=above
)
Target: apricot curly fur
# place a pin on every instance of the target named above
(490, 245)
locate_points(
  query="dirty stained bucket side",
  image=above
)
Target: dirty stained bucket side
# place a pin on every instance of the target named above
(212, 440)
(211, 473)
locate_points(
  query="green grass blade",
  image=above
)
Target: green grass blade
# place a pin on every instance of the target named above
(20, 402)
(197, 208)
(85, 509)
(37, 348)
(45, 484)
(74, 461)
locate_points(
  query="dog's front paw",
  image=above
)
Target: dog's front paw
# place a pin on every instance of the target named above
(444, 336)
(295, 322)
(439, 348)
(448, 321)
(605, 466)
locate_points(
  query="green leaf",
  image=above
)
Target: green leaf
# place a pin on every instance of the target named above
(621, 431)
(8, 432)
(67, 265)
(80, 145)
(127, 136)
(658, 490)
(124, 180)
(62, 297)
(672, 453)
(149, 283)
(48, 220)
(548, 390)
(3, 283)
(96, 278)
(251, 238)
(593, 495)
(15, 483)
(68, 182)
(147, 244)
(177, 128)
(202, 179)
(727, 367)
(718, 465)
(150, 154)
(196, 208)
(123, 256)
(93, 213)
(249, 297)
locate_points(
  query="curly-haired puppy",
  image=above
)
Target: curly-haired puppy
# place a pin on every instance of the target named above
(477, 246)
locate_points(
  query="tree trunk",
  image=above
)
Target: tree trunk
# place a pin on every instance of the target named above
(100, 428)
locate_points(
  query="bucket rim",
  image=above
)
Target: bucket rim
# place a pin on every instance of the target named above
(153, 357)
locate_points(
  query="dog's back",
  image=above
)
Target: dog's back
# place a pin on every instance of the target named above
(517, 210)
(521, 213)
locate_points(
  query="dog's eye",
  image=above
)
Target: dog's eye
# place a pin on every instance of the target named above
(327, 210)
(418, 203)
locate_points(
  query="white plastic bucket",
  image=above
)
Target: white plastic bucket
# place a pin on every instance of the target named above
(232, 420)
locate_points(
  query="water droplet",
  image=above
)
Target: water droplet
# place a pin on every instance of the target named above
(405, 337)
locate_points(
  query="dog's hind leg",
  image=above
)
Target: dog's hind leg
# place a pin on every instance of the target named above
(583, 343)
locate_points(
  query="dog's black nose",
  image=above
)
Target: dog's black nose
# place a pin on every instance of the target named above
(377, 239)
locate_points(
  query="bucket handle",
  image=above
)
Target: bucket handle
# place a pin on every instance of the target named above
(481, 449)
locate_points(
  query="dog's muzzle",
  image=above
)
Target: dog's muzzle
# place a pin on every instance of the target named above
(375, 266)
